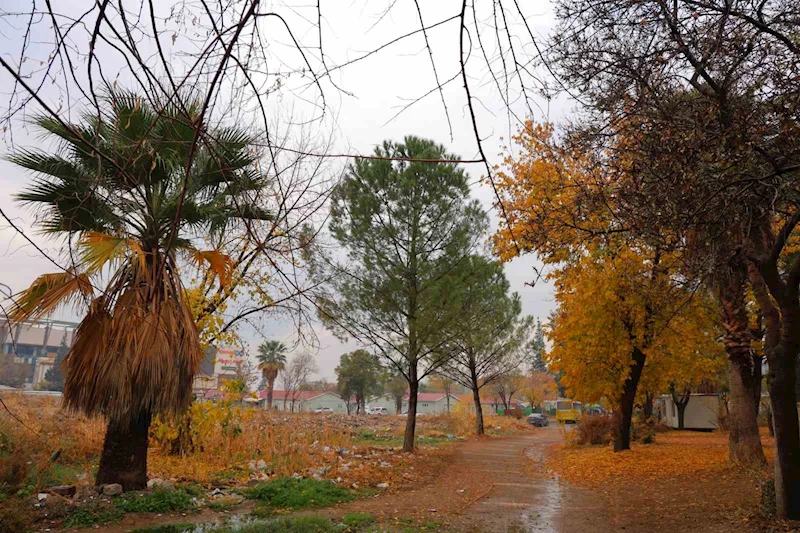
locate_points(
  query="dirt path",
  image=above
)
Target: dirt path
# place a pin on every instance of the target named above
(491, 485)
(486, 487)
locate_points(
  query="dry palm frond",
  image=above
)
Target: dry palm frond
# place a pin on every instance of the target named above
(97, 249)
(138, 353)
(48, 292)
(220, 264)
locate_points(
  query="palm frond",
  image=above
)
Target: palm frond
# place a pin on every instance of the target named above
(48, 292)
(220, 264)
(141, 357)
(97, 249)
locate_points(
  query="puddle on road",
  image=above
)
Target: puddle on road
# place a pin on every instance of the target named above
(541, 516)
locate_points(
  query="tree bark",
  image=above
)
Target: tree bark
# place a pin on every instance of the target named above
(744, 442)
(624, 414)
(781, 330)
(680, 403)
(398, 405)
(270, 388)
(647, 408)
(411, 421)
(476, 397)
(124, 456)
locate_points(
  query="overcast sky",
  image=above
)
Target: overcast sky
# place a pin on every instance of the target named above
(380, 86)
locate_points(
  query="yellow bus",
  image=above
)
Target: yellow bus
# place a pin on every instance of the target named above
(568, 411)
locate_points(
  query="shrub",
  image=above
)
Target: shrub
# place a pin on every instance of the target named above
(594, 430)
(298, 493)
(160, 501)
(14, 517)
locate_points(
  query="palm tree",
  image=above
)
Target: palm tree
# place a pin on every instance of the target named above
(271, 360)
(133, 188)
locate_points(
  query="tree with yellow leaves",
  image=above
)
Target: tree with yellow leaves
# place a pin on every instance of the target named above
(617, 294)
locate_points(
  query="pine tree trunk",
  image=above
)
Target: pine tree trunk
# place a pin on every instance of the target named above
(124, 456)
(411, 421)
(476, 397)
(624, 415)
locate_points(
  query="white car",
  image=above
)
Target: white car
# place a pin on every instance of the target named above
(323, 410)
(377, 411)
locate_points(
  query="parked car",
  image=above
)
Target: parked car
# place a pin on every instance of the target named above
(537, 420)
(377, 411)
(323, 410)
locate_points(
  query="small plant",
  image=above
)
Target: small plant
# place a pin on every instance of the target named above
(160, 501)
(357, 520)
(298, 493)
(167, 528)
(299, 524)
(594, 430)
(220, 507)
(92, 514)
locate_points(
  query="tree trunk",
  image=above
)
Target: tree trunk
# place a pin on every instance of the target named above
(781, 380)
(398, 405)
(781, 348)
(744, 442)
(624, 414)
(270, 388)
(476, 397)
(680, 403)
(647, 408)
(124, 456)
(411, 421)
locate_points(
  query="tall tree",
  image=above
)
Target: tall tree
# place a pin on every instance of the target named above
(132, 185)
(537, 348)
(296, 375)
(406, 227)
(616, 291)
(396, 385)
(271, 360)
(359, 374)
(709, 140)
(55, 375)
(486, 342)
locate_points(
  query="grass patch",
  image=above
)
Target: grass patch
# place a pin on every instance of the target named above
(357, 520)
(160, 501)
(288, 493)
(91, 515)
(167, 528)
(220, 507)
(299, 524)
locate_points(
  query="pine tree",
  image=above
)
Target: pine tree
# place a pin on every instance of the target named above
(537, 349)
(54, 376)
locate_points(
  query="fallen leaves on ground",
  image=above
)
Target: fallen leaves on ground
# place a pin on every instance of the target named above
(675, 453)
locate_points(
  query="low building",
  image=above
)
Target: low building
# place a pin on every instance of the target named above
(387, 401)
(306, 401)
(702, 411)
(431, 403)
(35, 343)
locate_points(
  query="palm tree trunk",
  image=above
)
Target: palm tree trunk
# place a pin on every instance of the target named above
(124, 456)
(270, 388)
